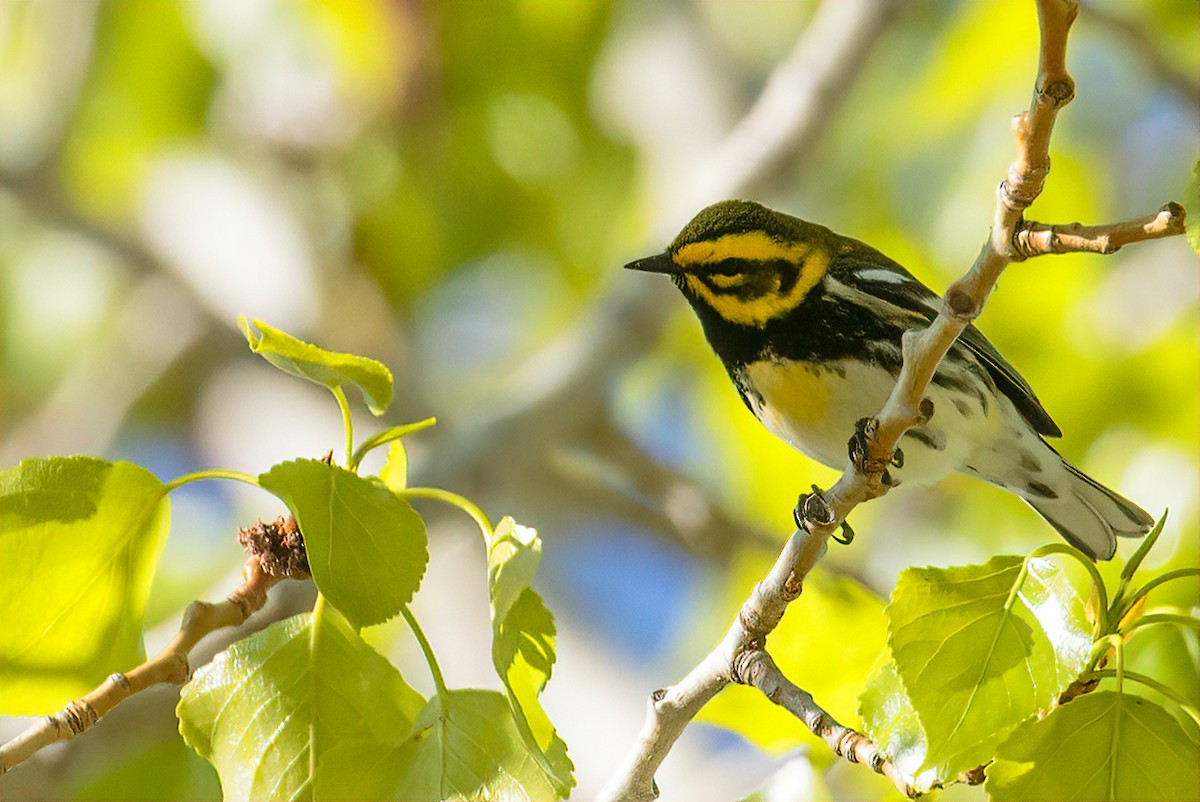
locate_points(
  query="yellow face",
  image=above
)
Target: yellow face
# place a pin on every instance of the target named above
(751, 278)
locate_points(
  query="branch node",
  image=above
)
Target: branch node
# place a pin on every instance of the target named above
(748, 615)
(1176, 215)
(121, 681)
(1058, 92)
(845, 746)
(77, 716)
(974, 776)
(177, 674)
(240, 599)
(657, 695)
(925, 410)
(960, 303)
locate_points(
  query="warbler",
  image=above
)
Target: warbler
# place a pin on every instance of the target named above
(808, 324)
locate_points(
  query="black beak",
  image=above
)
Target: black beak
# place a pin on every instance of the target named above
(659, 263)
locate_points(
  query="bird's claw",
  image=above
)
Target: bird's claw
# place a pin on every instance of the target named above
(860, 453)
(812, 507)
(858, 447)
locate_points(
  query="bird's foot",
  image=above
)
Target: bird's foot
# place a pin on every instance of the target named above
(847, 534)
(859, 447)
(813, 508)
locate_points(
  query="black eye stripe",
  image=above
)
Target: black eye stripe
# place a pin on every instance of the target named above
(789, 274)
(730, 267)
(737, 288)
(753, 275)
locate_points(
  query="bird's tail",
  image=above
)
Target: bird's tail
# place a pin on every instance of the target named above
(1089, 515)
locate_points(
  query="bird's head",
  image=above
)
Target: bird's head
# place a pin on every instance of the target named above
(745, 262)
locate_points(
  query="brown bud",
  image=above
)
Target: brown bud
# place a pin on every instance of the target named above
(279, 547)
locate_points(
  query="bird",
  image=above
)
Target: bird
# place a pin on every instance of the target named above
(808, 324)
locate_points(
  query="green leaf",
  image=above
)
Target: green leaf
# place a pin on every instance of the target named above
(810, 638)
(466, 745)
(1102, 746)
(320, 366)
(395, 469)
(300, 710)
(79, 542)
(1170, 654)
(366, 546)
(523, 644)
(980, 648)
(891, 722)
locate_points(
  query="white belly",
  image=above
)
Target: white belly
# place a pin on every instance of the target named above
(815, 410)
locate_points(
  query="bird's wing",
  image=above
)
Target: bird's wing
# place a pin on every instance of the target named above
(867, 270)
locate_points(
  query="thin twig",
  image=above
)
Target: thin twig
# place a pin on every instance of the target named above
(741, 655)
(169, 666)
(758, 669)
(671, 710)
(1040, 239)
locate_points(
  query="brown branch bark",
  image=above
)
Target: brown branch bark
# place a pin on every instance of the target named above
(759, 670)
(741, 656)
(168, 666)
(1040, 239)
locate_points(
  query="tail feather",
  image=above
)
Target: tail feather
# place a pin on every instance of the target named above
(1089, 515)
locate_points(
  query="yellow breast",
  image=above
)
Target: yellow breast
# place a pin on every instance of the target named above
(814, 408)
(795, 395)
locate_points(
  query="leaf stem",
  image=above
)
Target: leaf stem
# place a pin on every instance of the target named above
(314, 624)
(1178, 573)
(211, 473)
(386, 436)
(430, 658)
(347, 424)
(1118, 644)
(455, 500)
(1143, 549)
(1102, 624)
(1099, 649)
(1189, 621)
(1150, 682)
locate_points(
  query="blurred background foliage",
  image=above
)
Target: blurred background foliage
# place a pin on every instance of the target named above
(452, 188)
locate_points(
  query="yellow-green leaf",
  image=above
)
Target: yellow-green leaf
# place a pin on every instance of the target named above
(980, 648)
(301, 710)
(79, 542)
(317, 365)
(523, 644)
(1103, 746)
(367, 547)
(466, 745)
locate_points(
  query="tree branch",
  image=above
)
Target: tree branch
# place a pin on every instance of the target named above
(1040, 239)
(759, 670)
(169, 666)
(741, 655)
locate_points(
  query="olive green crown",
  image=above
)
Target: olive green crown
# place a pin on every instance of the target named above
(739, 217)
